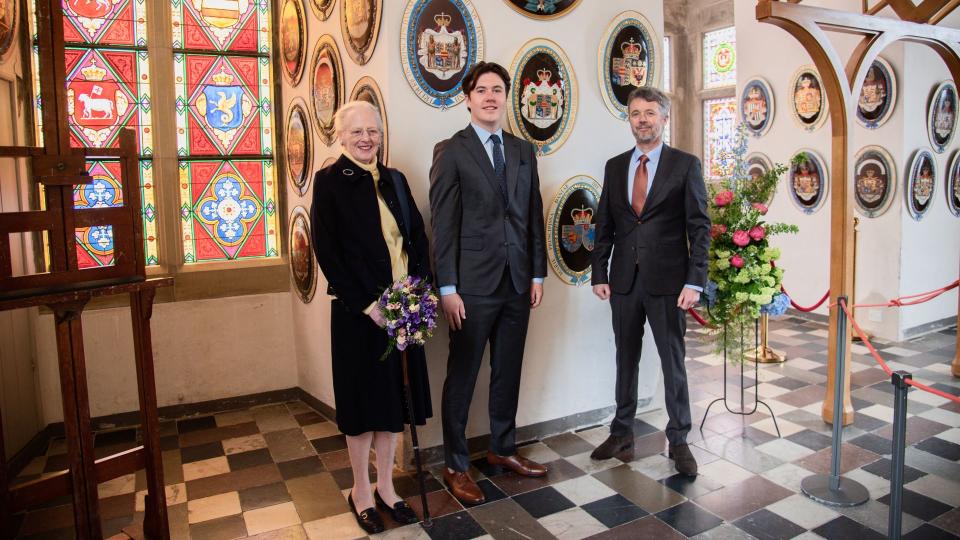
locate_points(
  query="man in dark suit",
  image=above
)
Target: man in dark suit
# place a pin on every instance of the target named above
(653, 216)
(488, 245)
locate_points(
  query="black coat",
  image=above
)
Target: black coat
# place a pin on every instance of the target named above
(347, 237)
(668, 242)
(353, 256)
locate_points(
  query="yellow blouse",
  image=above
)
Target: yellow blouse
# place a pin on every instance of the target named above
(388, 225)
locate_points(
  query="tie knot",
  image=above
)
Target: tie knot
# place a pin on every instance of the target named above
(644, 159)
(495, 138)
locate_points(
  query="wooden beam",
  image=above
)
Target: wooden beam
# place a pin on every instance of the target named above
(30, 494)
(856, 22)
(807, 25)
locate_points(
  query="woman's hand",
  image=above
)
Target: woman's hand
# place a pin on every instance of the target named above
(378, 317)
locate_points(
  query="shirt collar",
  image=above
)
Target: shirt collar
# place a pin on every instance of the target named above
(484, 135)
(653, 155)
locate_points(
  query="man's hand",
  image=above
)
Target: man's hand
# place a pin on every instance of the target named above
(453, 310)
(602, 291)
(377, 317)
(688, 298)
(536, 294)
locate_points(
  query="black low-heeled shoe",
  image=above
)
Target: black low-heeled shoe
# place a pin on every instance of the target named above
(369, 520)
(400, 512)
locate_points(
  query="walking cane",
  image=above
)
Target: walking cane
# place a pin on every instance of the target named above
(408, 402)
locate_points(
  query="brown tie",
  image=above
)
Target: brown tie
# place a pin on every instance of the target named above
(640, 186)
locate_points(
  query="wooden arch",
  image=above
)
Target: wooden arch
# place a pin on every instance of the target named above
(842, 82)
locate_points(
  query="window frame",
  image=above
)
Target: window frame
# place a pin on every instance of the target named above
(203, 280)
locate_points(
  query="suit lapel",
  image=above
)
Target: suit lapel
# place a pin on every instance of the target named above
(620, 189)
(664, 168)
(513, 163)
(472, 141)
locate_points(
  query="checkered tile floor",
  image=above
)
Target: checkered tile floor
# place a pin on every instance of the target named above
(281, 471)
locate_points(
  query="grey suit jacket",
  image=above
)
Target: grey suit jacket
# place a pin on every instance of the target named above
(475, 234)
(668, 242)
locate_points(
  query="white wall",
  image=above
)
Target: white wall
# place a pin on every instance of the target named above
(202, 350)
(569, 361)
(930, 250)
(894, 253)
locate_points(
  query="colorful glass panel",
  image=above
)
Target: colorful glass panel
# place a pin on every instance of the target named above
(223, 105)
(224, 108)
(719, 129)
(667, 66)
(228, 210)
(222, 25)
(105, 22)
(108, 90)
(720, 58)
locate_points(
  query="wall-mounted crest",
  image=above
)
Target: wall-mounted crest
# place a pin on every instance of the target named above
(543, 104)
(571, 231)
(440, 40)
(628, 57)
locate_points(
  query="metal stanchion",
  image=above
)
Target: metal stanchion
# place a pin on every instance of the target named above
(833, 489)
(898, 449)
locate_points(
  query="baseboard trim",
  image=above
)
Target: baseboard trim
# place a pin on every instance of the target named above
(317, 404)
(184, 410)
(929, 328)
(35, 447)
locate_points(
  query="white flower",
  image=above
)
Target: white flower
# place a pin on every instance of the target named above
(418, 336)
(401, 339)
(414, 308)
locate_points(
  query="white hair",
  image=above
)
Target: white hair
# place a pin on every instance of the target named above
(340, 119)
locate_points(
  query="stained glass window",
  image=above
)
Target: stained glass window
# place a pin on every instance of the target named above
(667, 72)
(719, 128)
(108, 89)
(720, 58)
(222, 72)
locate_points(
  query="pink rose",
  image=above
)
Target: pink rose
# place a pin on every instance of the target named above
(723, 198)
(741, 238)
(717, 229)
(760, 207)
(736, 261)
(757, 233)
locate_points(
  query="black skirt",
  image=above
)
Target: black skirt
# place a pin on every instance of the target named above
(369, 391)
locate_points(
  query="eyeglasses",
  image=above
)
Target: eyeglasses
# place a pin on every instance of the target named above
(358, 133)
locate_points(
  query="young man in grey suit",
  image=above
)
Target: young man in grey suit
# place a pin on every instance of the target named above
(653, 216)
(488, 247)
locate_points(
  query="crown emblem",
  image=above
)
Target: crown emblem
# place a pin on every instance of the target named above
(582, 215)
(544, 75)
(631, 49)
(93, 73)
(442, 19)
(223, 78)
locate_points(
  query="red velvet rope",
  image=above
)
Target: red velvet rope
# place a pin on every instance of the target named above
(798, 307)
(913, 299)
(886, 368)
(699, 318)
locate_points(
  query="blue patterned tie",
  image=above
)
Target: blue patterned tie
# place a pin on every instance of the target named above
(499, 166)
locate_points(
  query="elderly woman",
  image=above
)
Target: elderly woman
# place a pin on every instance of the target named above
(368, 234)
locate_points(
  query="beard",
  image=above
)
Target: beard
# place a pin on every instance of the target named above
(651, 136)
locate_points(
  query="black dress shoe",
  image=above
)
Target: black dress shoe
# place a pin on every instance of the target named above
(683, 460)
(369, 520)
(400, 512)
(612, 446)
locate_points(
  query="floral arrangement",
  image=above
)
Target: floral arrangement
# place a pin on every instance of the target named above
(409, 307)
(743, 281)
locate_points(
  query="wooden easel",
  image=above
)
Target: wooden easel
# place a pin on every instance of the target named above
(842, 83)
(66, 289)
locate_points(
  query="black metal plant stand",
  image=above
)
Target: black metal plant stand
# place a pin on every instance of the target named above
(756, 376)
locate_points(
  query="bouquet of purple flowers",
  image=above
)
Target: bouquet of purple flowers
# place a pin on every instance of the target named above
(410, 309)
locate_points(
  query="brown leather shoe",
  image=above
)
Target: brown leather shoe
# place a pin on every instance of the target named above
(611, 447)
(463, 487)
(518, 464)
(683, 460)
